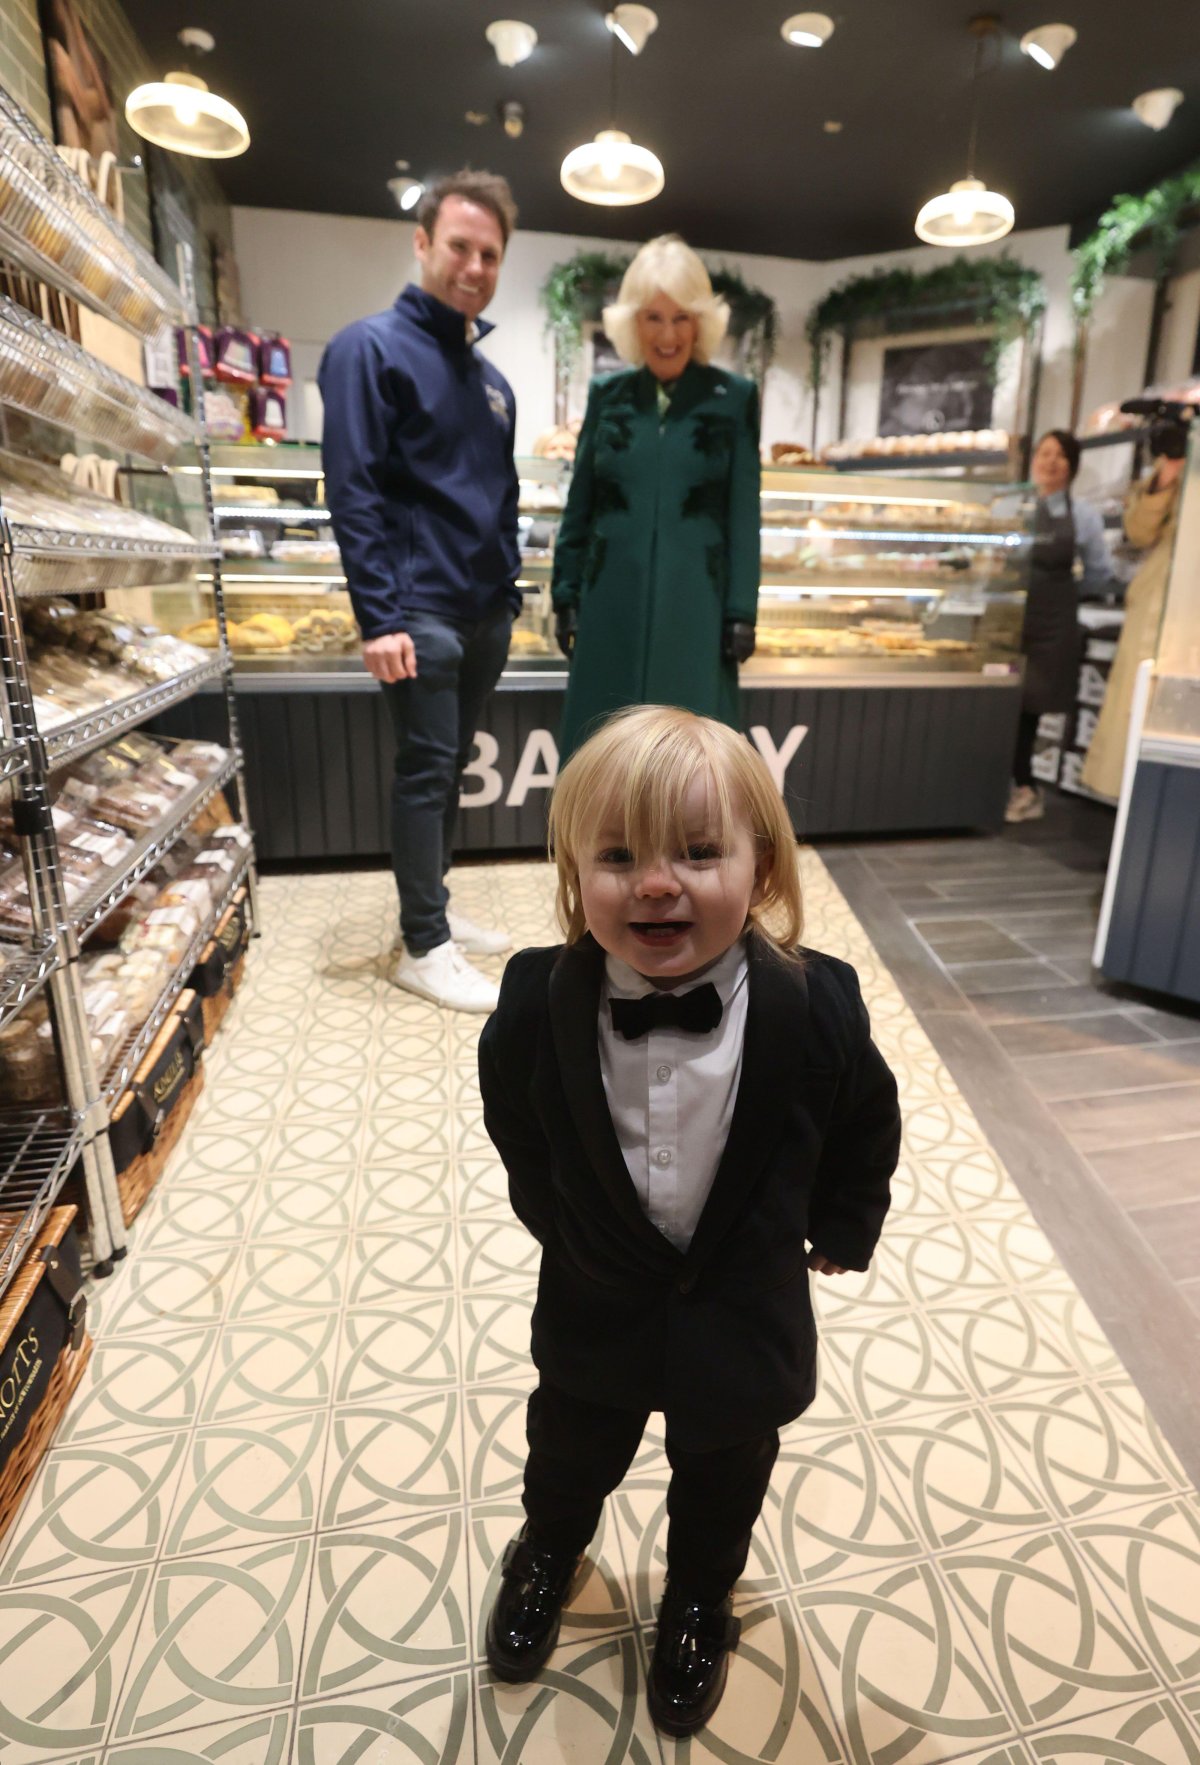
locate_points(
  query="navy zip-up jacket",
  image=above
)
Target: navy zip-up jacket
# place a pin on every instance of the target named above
(419, 471)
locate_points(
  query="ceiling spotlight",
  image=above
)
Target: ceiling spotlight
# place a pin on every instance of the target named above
(832, 128)
(1048, 44)
(512, 40)
(807, 29)
(1156, 108)
(180, 113)
(476, 118)
(512, 115)
(612, 171)
(632, 25)
(407, 191)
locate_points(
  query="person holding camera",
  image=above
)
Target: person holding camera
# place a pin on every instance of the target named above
(1151, 513)
(656, 569)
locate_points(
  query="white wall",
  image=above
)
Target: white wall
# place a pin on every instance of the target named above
(307, 275)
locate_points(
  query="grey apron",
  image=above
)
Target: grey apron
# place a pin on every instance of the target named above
(1050, 637)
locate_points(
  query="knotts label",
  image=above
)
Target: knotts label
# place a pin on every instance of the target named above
(168, 1080)
(22, 1364)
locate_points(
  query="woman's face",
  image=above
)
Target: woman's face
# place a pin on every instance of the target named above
(1051, 469)
(667, 334)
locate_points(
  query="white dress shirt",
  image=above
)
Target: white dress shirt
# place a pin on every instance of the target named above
(671, 1094)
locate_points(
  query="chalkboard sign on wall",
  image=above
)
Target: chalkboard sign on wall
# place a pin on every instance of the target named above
(928, 387)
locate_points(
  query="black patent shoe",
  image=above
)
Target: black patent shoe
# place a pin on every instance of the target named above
(522, 1627)
(690, 1663)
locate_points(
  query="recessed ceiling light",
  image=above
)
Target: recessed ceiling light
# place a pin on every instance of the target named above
(512, 116)
(632, 25)
(1156, 108)
(512, 40)
(832, 128)
(809, 30)
(1049, 43)
(476, 118)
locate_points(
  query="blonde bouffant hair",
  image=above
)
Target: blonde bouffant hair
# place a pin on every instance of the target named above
(666, 266)
(635, 773)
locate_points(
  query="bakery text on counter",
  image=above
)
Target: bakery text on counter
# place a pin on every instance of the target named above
(537, 769)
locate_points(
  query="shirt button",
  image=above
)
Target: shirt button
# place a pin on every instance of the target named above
(663, 1074)
(662, 1158)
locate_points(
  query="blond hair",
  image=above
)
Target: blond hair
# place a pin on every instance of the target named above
(666, 266)
(636, 772)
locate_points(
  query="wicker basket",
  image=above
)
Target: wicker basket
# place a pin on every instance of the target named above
(36, 1429)
(164, 1092)
(222, 964)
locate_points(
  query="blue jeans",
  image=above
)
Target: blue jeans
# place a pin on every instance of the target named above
(435, 718)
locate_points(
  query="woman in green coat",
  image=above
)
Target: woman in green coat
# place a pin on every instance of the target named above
(656, 569)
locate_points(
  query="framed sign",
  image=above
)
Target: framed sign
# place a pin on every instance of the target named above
(929, 387)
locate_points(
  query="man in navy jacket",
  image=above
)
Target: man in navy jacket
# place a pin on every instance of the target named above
(419, 474)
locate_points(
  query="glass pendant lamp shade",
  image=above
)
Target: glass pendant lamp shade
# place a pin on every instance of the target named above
(967, 214)
(180, 113)
(612, 171)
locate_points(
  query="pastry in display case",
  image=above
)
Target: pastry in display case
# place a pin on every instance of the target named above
(863, 574)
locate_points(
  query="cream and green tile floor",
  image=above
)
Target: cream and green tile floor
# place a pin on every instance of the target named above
(269, 1528)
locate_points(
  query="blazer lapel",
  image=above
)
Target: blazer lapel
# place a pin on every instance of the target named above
(775, 1010)
(575, 983)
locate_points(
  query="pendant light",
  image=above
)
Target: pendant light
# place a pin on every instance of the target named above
(181, 114)
(808, 30)
(612, 171)
(969, 213)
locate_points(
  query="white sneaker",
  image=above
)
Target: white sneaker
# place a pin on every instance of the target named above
(446, 977)
(1025, 803)
(477, 940)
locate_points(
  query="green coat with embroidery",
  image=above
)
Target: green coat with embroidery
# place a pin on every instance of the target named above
(659, 545)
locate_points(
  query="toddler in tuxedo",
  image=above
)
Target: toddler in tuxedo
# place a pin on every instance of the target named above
(693, 1116)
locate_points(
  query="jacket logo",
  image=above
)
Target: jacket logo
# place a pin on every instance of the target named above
(496, 403)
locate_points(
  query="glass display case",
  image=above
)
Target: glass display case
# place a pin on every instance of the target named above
(864, 576)
(860, 575)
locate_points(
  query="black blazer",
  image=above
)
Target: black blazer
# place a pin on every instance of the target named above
(722, 1338)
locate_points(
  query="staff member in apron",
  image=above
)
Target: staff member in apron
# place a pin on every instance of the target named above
(1064, 528)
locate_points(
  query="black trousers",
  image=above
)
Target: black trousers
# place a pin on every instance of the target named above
(578, 1454)
(1027, 728)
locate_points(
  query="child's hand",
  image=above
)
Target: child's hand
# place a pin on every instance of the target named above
(821, 1265)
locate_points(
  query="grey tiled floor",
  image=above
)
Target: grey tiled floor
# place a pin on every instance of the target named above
(996, 934)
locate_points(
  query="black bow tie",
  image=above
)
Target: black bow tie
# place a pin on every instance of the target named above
(698, 1010)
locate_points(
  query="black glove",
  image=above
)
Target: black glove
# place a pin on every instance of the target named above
(566, 624)
(737, 640)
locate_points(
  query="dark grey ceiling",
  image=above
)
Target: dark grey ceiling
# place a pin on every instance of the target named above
(335, 93)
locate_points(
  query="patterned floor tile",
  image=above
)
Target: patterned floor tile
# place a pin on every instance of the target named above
(272, 1368)
(774, 1708)
(494, 1418)
(220, 1636)
(495, 1337)
(389, 1199)
(326, 1145)
(1148, 1560)
(832, 1510)
(426, 1723)
(497, 1253)
(397, 1266)
(140, 1385)
(387, 1461)
(894, 1366)
(599, 1598)
(482, 1188)
(1152, 1733)
(248, 1740)
(1087, 1455)
(961, 1479)
(248, 1481)
(1002, 1344)
(313, 1203)
(225, 1154)
(94, 1507)
(592, 1692)
(905, 1680)
(64, 1650)
(168, 1290)
(1041, 1619)
(295, 1278)
(388, 1603)
(180, 1215)
(389, 1350)
(392, 1141)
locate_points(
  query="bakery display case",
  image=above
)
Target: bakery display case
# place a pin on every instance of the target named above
(885, 689)
(861, 576)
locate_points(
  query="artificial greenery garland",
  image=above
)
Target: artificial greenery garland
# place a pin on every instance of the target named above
(1001, 293)
(578, 290)
(1157, 215)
